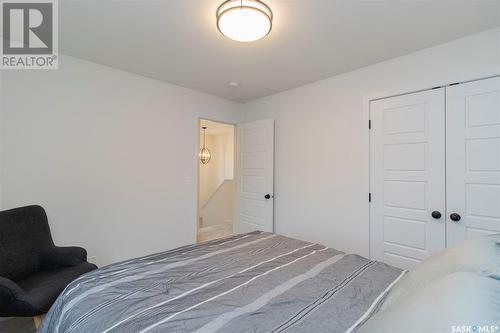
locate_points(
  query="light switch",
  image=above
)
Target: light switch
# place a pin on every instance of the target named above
(187, 179)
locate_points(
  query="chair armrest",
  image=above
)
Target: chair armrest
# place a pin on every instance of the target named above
(63, 256)
(9, 290)
(14, 302)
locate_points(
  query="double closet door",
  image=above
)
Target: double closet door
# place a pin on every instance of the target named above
(434, 170)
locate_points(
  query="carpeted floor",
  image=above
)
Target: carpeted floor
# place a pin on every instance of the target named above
(214, 232)
(17, 325)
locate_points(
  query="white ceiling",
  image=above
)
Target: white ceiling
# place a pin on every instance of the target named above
(177, 41)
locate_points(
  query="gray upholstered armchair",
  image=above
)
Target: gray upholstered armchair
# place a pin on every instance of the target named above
(33, 271)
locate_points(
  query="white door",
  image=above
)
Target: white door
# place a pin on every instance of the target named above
(473, 159)
(407, 177)
(255, 181)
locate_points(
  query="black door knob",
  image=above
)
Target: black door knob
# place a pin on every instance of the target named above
(436, 215)
(267, 196)
(455, 217)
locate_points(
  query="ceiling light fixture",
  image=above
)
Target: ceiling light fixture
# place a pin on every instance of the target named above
(205, 154)
(244, 20)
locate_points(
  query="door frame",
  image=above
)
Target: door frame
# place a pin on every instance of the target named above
(197, 181)
(367, 99)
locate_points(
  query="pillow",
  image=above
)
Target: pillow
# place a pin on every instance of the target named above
(478, 255)
(458, 302)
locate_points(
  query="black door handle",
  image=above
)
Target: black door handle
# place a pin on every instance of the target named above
(437, 215)
(455, 217)
(267, 196)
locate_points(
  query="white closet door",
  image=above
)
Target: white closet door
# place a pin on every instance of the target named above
(255, 182)
(473, 159)
(407, 178)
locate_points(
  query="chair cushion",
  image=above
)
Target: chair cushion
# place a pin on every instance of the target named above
(43, 287)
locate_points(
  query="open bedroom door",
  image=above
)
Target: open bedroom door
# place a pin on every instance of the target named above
(255, 176)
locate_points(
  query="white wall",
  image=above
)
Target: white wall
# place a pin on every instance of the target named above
(226, 141)
(209, 173)
(216, 188)
(219, 211)
(221, 165)
(112, 156)
(321, 159)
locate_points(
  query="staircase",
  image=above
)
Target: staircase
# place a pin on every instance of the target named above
(216, 216)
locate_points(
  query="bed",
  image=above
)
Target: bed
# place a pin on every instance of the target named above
(254, 282)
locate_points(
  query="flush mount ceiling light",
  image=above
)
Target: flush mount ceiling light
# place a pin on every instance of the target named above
(244, 20)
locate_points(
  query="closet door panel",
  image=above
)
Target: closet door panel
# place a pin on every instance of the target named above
(473, 159)
(407, 177)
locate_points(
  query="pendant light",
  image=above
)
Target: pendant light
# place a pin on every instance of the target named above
(204, 154)
(244, 20)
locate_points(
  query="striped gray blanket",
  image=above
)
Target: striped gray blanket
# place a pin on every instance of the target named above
(255, 282)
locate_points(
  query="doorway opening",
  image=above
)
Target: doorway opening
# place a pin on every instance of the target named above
(216, 189)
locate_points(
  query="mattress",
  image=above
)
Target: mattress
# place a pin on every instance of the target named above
(254, 282)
